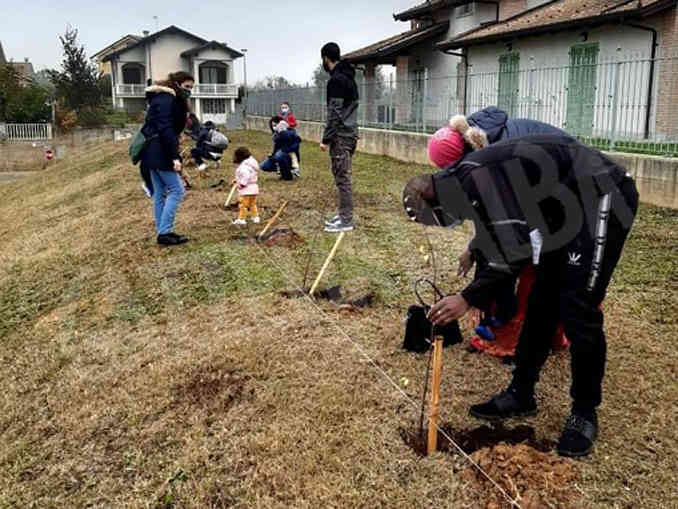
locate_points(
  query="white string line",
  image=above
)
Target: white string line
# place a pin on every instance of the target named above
(285, 275)
(512, 501)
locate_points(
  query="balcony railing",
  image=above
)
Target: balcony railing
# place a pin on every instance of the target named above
(221, 90)
(216, 90)
(125, 90)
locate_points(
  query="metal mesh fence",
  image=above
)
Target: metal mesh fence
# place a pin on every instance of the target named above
(624, 103)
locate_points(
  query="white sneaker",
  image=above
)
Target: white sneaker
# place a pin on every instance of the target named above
(296, 172)
(256, 220)
(339, 227)
(202, 167)
(146, 190)
(240, 222)
(332, 221)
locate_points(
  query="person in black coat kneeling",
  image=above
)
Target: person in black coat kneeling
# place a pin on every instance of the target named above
(166, 116)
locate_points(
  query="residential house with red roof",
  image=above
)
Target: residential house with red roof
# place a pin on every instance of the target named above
(598, 68)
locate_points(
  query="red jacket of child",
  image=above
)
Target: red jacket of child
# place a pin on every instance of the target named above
(289, 118)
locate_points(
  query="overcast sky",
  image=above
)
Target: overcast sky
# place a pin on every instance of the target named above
(283, 37)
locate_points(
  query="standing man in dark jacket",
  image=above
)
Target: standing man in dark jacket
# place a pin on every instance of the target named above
(584, 204)
(341, 132)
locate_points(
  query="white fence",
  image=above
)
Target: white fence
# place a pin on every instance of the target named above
(25, 132)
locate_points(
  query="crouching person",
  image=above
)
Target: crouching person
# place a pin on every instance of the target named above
(285, 142)
(583, 205)
(210, 145)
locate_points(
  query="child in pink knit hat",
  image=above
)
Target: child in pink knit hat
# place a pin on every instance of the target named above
(449, 144)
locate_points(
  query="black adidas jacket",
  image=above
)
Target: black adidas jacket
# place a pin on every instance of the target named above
(546, 182)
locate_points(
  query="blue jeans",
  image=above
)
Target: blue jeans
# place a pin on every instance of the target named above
(281, 160)
(168, 191)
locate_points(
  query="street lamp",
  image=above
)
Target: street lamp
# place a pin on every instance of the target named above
(244, 52)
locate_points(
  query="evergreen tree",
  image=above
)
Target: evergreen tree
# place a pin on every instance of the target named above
(22, 101)
(77, 84)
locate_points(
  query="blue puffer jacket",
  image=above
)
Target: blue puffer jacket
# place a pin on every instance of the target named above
(288, 141)
(166, 117)
(499, 127)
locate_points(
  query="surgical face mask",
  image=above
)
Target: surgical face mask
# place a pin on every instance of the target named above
(284, 110)
(184, 92)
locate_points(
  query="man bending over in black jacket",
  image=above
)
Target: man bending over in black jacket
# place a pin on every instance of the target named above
(583, 204)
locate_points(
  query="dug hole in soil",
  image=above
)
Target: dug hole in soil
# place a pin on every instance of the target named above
(527, 469)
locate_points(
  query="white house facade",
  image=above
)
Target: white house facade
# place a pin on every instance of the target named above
(422, 70)
(601, 69)
(155, 56)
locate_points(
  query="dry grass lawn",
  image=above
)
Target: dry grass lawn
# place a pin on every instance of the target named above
(135, 376)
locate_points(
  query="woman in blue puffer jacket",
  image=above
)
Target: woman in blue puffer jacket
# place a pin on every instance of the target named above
(166, 117)
(476, 132)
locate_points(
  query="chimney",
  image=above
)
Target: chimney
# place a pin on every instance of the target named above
(26, 59)
(146, 33)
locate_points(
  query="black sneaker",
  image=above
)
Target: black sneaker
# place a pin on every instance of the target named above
(182, 238)
(505, 405)
(578, 435)
(171, 239)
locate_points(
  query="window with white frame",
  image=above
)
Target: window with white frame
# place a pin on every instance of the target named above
(466, 9)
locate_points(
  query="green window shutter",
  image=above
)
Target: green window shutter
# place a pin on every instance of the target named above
(581, 90)
(509, 83)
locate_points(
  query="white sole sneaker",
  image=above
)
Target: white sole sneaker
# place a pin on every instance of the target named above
(338, 228)
(256, 220)
(239, 222)
(333, 221)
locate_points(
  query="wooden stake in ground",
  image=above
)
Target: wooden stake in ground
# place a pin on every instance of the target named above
(230, 196)
(435, 395)
(272, 220)
(327, 263)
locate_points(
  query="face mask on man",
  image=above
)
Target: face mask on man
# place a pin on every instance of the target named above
(284, 110)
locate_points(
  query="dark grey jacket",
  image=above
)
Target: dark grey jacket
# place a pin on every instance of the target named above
(342, 104)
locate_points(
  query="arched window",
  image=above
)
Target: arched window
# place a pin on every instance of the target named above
(133, 74)
(214, 72)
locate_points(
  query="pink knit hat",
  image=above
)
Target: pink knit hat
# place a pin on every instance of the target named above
(448, 144)
(446, 147)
